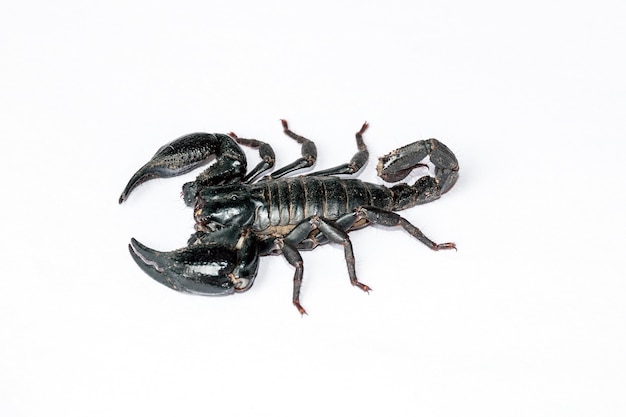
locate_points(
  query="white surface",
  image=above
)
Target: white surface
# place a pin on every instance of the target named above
(526, 319)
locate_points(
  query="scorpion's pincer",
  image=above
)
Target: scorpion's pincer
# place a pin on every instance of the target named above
(199, 269)
(187, 153)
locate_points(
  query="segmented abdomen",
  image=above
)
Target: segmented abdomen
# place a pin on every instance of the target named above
(288, 201)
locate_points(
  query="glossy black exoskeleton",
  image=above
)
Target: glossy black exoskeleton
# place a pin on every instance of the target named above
(239, 219)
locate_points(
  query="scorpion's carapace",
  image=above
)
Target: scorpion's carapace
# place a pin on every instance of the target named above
(239, 219)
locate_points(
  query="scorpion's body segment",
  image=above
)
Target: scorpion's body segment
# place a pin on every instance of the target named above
(289, 201)
(292, 200)
(238, 220)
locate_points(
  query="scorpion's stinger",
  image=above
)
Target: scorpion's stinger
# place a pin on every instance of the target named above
(189, 152)
(198, 269)
(396, 165)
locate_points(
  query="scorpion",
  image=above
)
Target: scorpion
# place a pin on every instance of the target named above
(241, 216)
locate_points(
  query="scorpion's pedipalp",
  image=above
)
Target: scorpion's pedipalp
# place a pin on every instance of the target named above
(198, 269)
(189, 152)
(150, 171)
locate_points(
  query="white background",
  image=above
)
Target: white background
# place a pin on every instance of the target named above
(528, 318)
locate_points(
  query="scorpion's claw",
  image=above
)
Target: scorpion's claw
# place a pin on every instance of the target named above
(189, 152)
(198, 269)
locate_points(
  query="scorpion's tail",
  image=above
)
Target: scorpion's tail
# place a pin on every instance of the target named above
(396, 165)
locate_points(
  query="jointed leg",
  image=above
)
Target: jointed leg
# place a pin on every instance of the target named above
(332, 232)
(347, 222)
(265, 152)
(293, 257)
(309, 154)
(337, 235)
(289, 245)
(390, 219)
(356, 163)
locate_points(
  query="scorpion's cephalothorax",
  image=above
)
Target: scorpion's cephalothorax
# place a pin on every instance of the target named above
(224, 206)
(239, 219)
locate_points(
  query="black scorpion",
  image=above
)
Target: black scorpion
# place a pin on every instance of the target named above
(239, 219)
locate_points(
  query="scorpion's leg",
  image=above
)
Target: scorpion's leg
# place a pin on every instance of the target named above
(335, 234)
(396, 165)
(390, 219)
(265, 152)
(287, 247)
(332, 232)
(309, 154)
(347, 222)
(356, 163)
(293, 257)
(189, 152)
